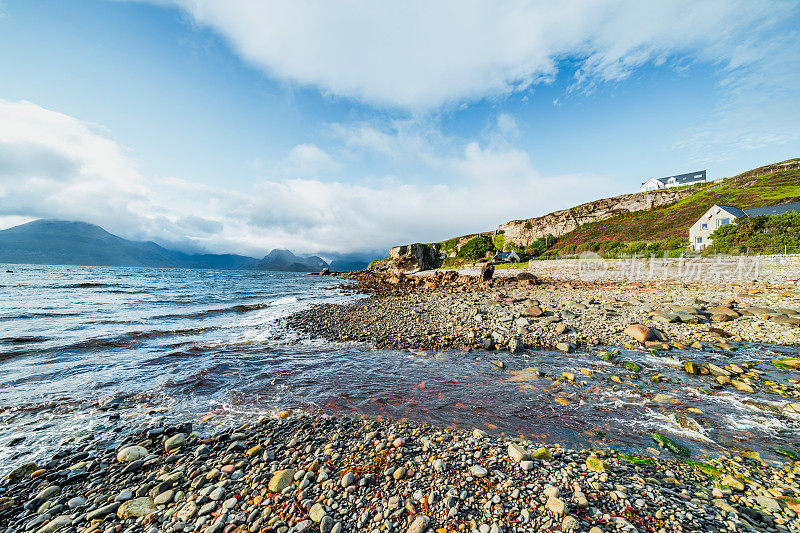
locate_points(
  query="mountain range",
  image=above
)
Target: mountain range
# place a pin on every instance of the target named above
(62, 242)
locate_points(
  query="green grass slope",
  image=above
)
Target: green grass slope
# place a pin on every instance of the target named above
(674, 220)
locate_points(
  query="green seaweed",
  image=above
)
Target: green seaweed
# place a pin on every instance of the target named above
(638, 460)
(707, 469)
(791, 454)
(675, 447)
(630, 365)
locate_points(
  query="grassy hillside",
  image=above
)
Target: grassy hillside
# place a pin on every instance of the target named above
(673, 221)
(652, 232)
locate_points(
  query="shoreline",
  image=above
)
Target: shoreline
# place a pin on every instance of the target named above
(339, 474)
(447, 310)
(375, 475)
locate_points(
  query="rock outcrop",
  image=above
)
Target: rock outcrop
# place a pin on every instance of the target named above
(412, 258)
(524, 232)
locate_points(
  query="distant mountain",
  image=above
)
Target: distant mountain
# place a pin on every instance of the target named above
(286, 261)
(61, 242)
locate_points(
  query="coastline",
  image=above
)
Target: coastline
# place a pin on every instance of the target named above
(306, 472)
(452, 310)
(333, 473)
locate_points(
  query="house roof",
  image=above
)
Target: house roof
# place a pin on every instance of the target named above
(735, 211)
(689, 177)
(504, 255)
(773, 209)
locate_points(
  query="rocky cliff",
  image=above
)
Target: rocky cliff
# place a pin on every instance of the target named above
(409, 259)
(524, 232)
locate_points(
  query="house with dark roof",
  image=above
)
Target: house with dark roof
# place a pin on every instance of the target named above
(721, 215)
(773, 209)
(506, 257)
(680, 180)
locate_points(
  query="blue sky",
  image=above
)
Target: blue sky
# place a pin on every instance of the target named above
(352, 126)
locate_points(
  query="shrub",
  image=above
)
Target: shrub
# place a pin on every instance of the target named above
(476, 248)
(499, 241)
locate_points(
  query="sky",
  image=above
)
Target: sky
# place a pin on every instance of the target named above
(348, 127)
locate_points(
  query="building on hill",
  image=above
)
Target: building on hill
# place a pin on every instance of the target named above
(721, 215)
(773, 209)
(680, 180)
(506, 257)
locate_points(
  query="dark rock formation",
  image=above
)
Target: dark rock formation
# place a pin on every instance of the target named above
(413, 258)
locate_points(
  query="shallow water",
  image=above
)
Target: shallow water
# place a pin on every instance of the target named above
(188, 343)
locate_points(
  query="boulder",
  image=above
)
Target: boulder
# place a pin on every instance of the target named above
(596, 465)
(542, 453)
(487, 271)
(518, 453)
(791, 410)
(419, 525)
(131, 453)
(280, 480)
(640, 332)
(412, 258)
(722, 310)
(59, 522)
(534, 311)
(22, 471)
(174, 442)
(136, 508)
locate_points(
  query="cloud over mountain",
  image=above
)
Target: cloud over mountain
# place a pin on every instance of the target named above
(80, 173)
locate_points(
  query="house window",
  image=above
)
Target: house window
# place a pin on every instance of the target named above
(704, 226)
(699, 240)
(723, 222)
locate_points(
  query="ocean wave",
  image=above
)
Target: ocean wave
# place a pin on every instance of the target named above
(285, 300)
(241, 308)
(124, 340)
(23, 340)
(43, 314)
(83, 285)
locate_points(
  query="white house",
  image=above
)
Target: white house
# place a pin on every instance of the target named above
(674, 181)
(721, 215)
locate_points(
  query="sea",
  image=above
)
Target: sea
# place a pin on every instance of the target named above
(95, 352)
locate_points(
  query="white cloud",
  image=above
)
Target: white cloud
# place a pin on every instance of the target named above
(419, 54)
(89, 177)
(760, 108)
(310, 160)
(507, 126)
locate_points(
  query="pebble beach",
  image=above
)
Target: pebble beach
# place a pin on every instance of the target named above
(308, 473)
(308, 470)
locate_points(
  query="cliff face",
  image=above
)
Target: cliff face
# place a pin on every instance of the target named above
(524, 232)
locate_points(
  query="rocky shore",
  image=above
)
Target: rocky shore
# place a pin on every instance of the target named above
(307, 472)
(451, 311)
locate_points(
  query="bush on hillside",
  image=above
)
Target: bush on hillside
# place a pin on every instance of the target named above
(761, 234)
(539, 246)
(499, 241)
(476, 248)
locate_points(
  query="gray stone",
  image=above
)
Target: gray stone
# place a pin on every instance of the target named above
(419, 525)
(518, 453)
(174, 442)
(136, 508)
(131, 453)
(478, 471)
